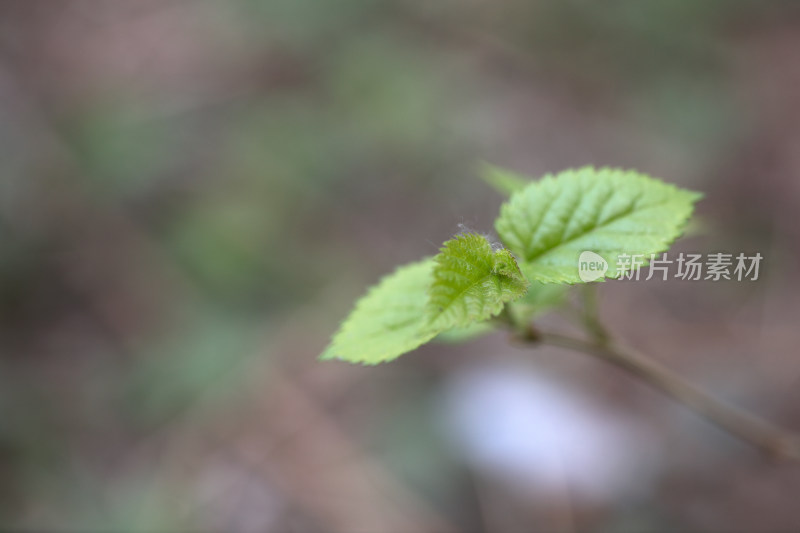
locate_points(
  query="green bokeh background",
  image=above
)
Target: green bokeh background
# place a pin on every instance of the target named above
(193, 193)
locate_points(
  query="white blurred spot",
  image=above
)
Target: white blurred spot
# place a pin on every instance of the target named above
(517, 426)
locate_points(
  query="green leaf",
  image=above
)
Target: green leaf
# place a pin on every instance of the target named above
(540, 298)
(607, 211)
(473, 331)
(389, 321)
(503, 181)
(471, 282)
(466, 283)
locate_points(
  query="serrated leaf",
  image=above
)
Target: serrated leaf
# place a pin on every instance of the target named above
(503, 181)
(540, 298)
(389, 321)
(471, 282)
(607, 211)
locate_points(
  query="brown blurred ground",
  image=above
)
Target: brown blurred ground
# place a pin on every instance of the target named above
(192, 194)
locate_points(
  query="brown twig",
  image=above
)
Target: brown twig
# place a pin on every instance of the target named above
(765, 436)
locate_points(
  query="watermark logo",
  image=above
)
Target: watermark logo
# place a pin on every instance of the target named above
(691, 267)
(591, 266)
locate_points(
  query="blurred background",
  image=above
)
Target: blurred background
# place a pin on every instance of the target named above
(193, 193)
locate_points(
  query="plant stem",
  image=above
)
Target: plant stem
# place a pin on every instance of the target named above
(768, 438)
(591, 315)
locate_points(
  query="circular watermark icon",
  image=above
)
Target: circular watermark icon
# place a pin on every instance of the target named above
(591, 266)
